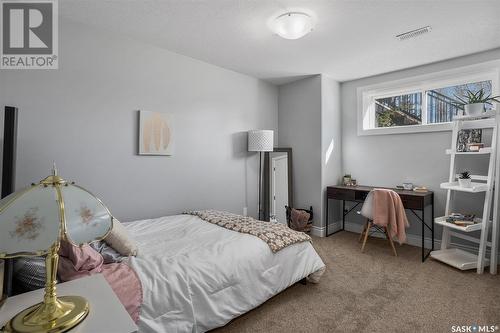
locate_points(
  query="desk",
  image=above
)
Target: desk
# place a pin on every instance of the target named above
(413, 201)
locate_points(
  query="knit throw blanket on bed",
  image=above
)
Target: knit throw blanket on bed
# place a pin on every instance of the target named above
(276, 235)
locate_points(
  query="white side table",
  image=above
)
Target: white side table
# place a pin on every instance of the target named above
(106, 315)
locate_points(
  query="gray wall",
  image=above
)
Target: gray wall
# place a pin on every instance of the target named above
(310, 122)
(299, 115)
(84, 117)
(331, 144)
(389, 160)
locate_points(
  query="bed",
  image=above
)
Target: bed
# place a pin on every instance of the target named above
(197, 276)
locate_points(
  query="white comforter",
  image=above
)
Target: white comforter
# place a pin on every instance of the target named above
(197, 276)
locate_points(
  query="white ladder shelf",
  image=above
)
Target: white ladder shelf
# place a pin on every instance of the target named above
(489, 185)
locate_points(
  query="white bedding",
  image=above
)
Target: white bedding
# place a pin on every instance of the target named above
(197, 276)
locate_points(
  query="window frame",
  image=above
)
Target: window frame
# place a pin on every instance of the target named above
(420, 84)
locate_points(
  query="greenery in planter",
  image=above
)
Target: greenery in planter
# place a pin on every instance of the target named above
(464, 175)
(471, 97)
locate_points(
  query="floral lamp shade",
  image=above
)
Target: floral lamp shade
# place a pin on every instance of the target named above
(33, 219)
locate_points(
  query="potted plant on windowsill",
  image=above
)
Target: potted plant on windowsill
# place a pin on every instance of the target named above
(474, 102)
(464, 179)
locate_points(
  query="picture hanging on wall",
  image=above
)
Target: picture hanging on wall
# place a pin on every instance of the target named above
(156, 134)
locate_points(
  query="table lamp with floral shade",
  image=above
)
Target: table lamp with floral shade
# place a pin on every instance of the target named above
(33, 222)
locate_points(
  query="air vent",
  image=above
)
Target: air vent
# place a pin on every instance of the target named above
(414, 33)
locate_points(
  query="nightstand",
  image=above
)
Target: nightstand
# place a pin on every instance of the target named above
(107, 314)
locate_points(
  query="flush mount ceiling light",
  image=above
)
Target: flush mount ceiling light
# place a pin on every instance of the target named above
(292, 25)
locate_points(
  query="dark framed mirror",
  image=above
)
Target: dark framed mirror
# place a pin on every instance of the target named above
(277, 186)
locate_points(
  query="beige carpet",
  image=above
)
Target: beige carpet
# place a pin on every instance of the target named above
(376, 292)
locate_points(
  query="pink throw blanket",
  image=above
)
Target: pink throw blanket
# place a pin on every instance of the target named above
(388, 211)
(76, 262)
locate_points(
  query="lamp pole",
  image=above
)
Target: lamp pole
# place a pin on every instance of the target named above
(260, 182)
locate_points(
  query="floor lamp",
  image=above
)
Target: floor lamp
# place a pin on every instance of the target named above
(260, 141)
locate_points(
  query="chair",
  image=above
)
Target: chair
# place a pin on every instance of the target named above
(367, 211)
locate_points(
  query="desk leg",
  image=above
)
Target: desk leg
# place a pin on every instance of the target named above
(432, 222)
(423, 234)
(343, 214)
(327, 209)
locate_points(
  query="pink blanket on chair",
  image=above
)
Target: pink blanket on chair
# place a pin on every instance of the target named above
(388, 211)
(76, 262)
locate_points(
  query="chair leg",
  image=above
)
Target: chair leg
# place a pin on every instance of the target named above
(390, 241)
(363, 231)
(367, 231)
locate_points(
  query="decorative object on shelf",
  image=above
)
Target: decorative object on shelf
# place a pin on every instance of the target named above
(462, 220)
(467, 137)
(347, 180)
(464, 179)
(156, 134)
(421, 189)
(34, 222)
(474, 102)
(474, 147)
(408, 186)
(260, 141)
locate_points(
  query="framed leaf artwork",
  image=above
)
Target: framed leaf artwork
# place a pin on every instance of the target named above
(156, 134)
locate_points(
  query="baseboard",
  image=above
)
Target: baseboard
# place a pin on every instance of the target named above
(414, 240)
(321, 231)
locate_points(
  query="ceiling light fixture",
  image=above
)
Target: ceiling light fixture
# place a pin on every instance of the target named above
(292, 25)
(414, 33)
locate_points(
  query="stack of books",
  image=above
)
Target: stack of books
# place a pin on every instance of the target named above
(462, 220)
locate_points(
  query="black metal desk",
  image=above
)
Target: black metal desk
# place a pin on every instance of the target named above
(413, 201)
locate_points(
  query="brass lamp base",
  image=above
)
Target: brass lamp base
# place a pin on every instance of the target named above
(65, 313)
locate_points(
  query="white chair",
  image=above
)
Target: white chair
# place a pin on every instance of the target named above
(367, 211)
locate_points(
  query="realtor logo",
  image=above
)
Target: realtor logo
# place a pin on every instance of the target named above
(29, 34)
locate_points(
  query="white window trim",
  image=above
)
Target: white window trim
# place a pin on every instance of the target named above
(366, 95)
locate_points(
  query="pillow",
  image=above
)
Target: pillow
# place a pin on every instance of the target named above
(29, 273)
(107, 252)
(119, 239)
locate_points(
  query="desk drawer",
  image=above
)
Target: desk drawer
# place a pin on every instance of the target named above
(340, 194)
(411, 202)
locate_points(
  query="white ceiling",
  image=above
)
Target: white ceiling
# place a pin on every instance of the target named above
(352, 39)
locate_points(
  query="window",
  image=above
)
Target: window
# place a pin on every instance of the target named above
(422, 104)
(442, 103)
(399, 110)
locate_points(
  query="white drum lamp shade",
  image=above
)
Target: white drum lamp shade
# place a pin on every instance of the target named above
(260, 140)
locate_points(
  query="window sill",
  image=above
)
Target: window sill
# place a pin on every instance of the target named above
(406, 129)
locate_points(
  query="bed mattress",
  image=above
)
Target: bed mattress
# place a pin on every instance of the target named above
(197, 276)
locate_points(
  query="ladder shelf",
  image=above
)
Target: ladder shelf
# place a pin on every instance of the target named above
(489, 184)
(457, 258)
(485, 150)
(475, 187)
(473, 227)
